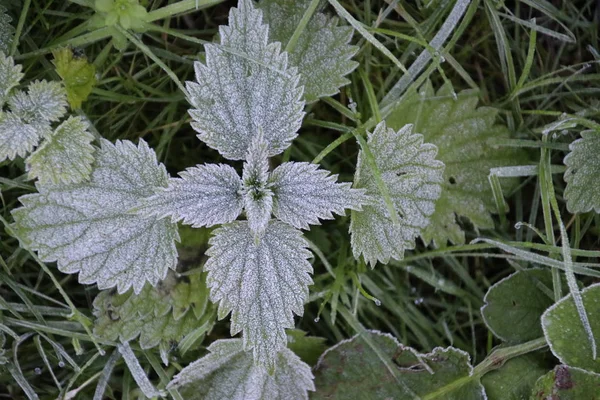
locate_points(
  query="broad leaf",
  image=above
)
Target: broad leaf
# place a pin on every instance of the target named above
(258, 197)
(513, 306)
(18, 138)
(566, 383)
(230, 373)
(464, 135)
(245, 87)
(10, 75)
(205, 195)
(88, 228)
(322, 53)
(6, 33)
(304, 194)
(565, 333)
(413, 177)
(262, 283)
(582, 192)
(66, 156)
(364, 375)
(515, 379)
(77, 74)
(43, 102)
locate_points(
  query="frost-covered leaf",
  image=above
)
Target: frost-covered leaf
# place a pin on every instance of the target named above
(77, 74)
(413, 177)
(261, 283)
(204, 195)
(18, 138)
(462, 134)
(565, 333)
(10, 76)
(354, 370)
(163, 315)
(304, 194)
(583, 191)
(44, 102)
(230, 373)
(565, 383)
(66, 156)
(246, 86)
(88, 228)
(6, 32)
(258, 197)
(322, 54)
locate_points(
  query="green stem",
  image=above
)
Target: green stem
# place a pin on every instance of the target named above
(312, 7)
(20, 24)
(180, 7)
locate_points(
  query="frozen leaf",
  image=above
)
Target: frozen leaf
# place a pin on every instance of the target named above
(43, 102)
(230, 373)
(582, 192)
(462, 134)
(205, 195)
(262, 283)
(6, 33)
(304, 194)
(88, 228)
(322, 53)
(77, 74)
(566, 383)
(245, 87)
(10, 76)
(66, 156)
(18, 138)
(444, 371)
(413, 177)
(258, 197)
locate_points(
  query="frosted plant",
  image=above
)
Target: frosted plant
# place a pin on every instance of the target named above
(6, 31)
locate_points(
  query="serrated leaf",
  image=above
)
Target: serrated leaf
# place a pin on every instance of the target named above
(245, 87)
(582, 193)
(413, 177)
(66, 156)
(566, 383)
(261, 283)
(515, 379)
(205, 195)
(10, 75)
(6, 33)
(462, 132)
(322, 54)
(44, 102)
(565, 333)
(88, 228)
(304, 194)
(513, 306)
(77, 74)
(364, 376)
(229, 373)
(18, 138)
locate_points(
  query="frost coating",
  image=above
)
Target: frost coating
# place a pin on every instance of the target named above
(229, 373)
(10, 76)
(582, 191)
(6, 32)
(246, 86)
(87, 227)
(322, 54)
(261, 283)
(413, 176)
(43, 102)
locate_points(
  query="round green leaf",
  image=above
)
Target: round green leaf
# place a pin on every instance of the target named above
(515, 379)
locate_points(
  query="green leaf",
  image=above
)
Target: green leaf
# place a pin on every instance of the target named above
(413, 177)
(88, 227)
(77, 74)
(353, 370)
(322, 54)
(18, 138)
(262, 283)
(10, 76)
(515, 379)
(566, 383)
(6, 33)
(308, 348)
(44, 102)
(513, 306)
(462, 132)
(66, 156)
(230, 373)
(582, 172)
(565, 333)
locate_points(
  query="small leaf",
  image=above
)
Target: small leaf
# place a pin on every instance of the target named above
(566, 383)
(18, 138)
(322, 54)
(66, 156)
(229, 373)
(258, 197)
(304, 194)
(515, 379)
(245, 87)
(462, 134)
(413, 177)
(261, 283)
(582, 193)
(10, 75)
(205, 195)
(44, 102)
(565, 333)
(353, 370)
(87, 227)
(77, 74)
(513, 306)
(6, 34)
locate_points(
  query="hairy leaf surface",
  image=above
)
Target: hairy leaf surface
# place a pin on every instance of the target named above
(583, 192)
(88, 228)
(230, 373)
(10, 76)
(6, 33)
(322, 54)
(44, 102)
(18, 138)
(413, 177)
(258, 197)
(262, 283)
(245, 87)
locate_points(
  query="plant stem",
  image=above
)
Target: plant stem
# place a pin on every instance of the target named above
(180, 8)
